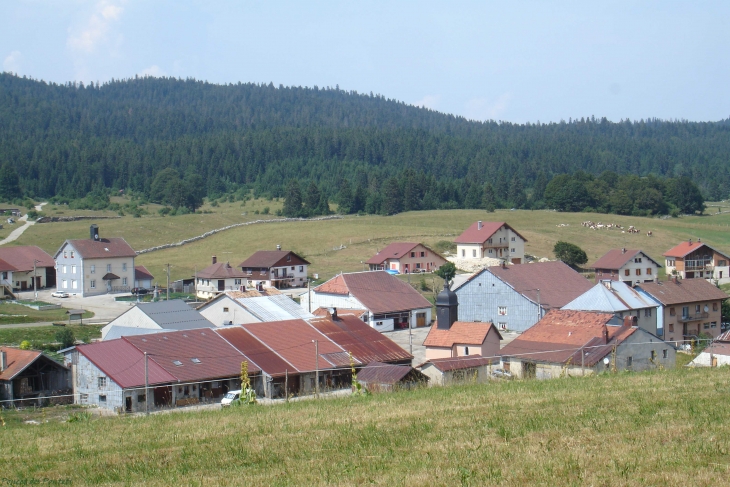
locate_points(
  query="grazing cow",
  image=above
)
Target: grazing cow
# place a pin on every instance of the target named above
(648, 234)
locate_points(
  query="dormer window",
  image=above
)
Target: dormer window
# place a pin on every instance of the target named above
(177, 363)
(72, 254)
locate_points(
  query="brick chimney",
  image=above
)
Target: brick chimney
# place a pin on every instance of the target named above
(605, 334)
(214, 259)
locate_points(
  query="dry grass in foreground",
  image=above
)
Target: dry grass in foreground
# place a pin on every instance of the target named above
(660, 428)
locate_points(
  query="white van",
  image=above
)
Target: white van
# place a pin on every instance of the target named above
(230, 397)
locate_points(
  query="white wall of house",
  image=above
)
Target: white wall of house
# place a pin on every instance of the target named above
(134, 318)
(78, 276)
(324, 300)
(224, 309)
(208, 288)
(703, 360)
(642, 271)
(504, 237)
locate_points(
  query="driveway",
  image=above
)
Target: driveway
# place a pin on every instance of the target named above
(104, 307)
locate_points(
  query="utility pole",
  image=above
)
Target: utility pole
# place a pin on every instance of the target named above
(35, 289)
(286, 384)
(309, 294)
(316, 376)
(168, 282)
(195, 285)
(582, 362)
(146, 387)
(539, 306)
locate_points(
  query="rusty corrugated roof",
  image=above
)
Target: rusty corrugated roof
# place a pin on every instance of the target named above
(461, 332)
(123, 363)
(17, 361)
(256, 351)
(380, 373)
(457, 363)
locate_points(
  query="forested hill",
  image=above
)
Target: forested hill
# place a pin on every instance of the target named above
(68, 140)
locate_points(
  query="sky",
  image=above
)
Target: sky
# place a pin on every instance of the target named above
(516, 61)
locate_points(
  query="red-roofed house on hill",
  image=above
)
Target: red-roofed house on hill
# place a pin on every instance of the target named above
(275, 268)
(690, 260)
(515, 297)
(96, 265)
(28, 261)
(406, 257)
(496, 240)
(390, 302)
(626, 265)
(218, 278)
(575, 343)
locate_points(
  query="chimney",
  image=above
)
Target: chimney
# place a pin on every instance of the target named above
(94, 232)
(623, 250)
(278, 247)
(3, 360)
(334, 314)
(690, 241)
(479, 225)
(630, 321)
(605, 334)
(214, 259)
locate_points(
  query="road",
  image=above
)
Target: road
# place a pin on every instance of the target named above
(15, 234)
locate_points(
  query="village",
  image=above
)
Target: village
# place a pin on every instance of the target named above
(510, 318)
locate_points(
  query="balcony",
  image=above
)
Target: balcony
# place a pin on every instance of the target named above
(693, 317)
(698, 265)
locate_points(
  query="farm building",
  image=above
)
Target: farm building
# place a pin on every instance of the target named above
(28, 263)
(162, 315)
(235, 308)
(459, 370)
(27, 376)
(575, 343)
(390, 303)
(380, 377)
(515, 297)
(716, 354)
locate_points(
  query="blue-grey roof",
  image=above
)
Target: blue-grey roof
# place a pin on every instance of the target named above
(128, 331)
(175, 315)
(274, 308)
(620, 297)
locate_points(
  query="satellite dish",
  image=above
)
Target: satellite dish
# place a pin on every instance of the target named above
(606, 361)
(706, 309)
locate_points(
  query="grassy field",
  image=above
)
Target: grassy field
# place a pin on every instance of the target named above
(669, 428)
(46, 334)
(357, 238)
(15, 313)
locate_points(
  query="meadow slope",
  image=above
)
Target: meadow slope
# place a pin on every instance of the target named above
(668, 428)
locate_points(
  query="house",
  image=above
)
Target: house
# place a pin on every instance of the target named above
(183, 367)
(626, 265)
(496, 240)
(381, 377)
(390, 302)
(451, 338)
(252, 307)
(690, 260)
(6, 280)
(142, 277)
(716, 354)
(516, 297)
(406, 257)
(575, 343)
(29, 263)
(459, 370)
(687, 307)
(621, 299)
(28, 376)
(218, 278)
(275, 268)
(162, 315)
(96, 265)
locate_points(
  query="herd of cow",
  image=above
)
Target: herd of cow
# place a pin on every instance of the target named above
(602, 226)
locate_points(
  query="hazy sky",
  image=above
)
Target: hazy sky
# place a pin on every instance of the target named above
(515, 61)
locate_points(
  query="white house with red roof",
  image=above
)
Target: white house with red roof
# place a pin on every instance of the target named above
(406, 257)
(626, 265)
(275, 268)
(690, 260)
(218, 278)
(27, 263)
(496, 240)
(96, 265)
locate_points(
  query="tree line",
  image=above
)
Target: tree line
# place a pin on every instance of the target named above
(177, 141)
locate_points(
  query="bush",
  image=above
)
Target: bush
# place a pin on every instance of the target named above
(570, 253)
(65, 337)
(266, 210)
(25, 345)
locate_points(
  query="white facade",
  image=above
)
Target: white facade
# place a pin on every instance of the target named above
(704, 360)
(224, 310)
(637, 270)
(209, 288)
(133, 318)
(78, 276)
(504, 244)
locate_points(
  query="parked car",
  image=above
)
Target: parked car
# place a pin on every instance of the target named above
(59, 294)
(230, 397)
(501, 374)
(140, 291)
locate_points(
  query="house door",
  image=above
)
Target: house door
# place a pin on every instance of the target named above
(420, 319)
(221, 284)
(128, 404)
(162, 396)
(23, 285)
(714, 361)
(37, 282)
(684, 329)
(108, 285)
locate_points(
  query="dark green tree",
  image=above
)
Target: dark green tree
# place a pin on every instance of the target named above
(489, 198)
(392, 199)
(538, 189)
(292, 200)
(517, 196)
(570, 253)
(345, 198)
(685, 195)
(474, 196)
(312, 198)
(9, 183)
(447, 271)
(65, 337)
(323, 207)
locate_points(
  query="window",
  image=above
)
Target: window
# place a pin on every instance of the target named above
(102, 397)
(413, 254)
(466, 350)
(93, 269)
(697, 308)
(237, 282)
(73, 269)
(187, 390)
(64, 255)
(102, 382)
(92, 284)
(671, 327)
(489, 240)
(627, 272)
(473, 253)
(292, 267)
(721, 263)
(225, 310)
(647, 313)
(301, 268)
(706, 326)
(502, 325)
(5, 276)
(652, 356)
(64, 284)
(141, 398)
(714, 306)
(124, 281)
(637, 260)
(463, 253)
(73, 283)
(629, 361)
(423, 254)
(418, 265)
(664, 353)
(513, 239)
(638, 272)
(672, 312)
(685, 311)
(108, 267)
(288, 258)
(648, 271)
(513, 251)
(124, 266)
(713, 324)
(502, 310)
(490, 251)
(65, 269)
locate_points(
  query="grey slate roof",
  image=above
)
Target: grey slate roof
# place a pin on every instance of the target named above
(621, 297)
(174, 315)
(128, 331)
(274, 308)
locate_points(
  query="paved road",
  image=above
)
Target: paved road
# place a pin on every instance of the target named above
(15, 234)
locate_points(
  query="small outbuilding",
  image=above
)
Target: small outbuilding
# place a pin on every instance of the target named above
(381, 377)
(28, 376)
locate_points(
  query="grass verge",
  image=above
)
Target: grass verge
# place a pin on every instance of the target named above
(47, 334)
(14, 313)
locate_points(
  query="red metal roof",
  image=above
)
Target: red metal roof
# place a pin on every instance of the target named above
(22, 257)
(718, 348)
(357, 337)
(293, 341)
(557, 282)
(396, 250)
(461, 332)
(617, 258)
(272, 258)
(683, 291)
(380, 373)
(457, 363)
(17, 361)
(378, 291)
(723, 337)
(142, 274)
(202, 353)
(6, 267)
(221, 270)
(474, 234)
(685, 248)
(257, 352)
(123, 363)
(102, 248)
